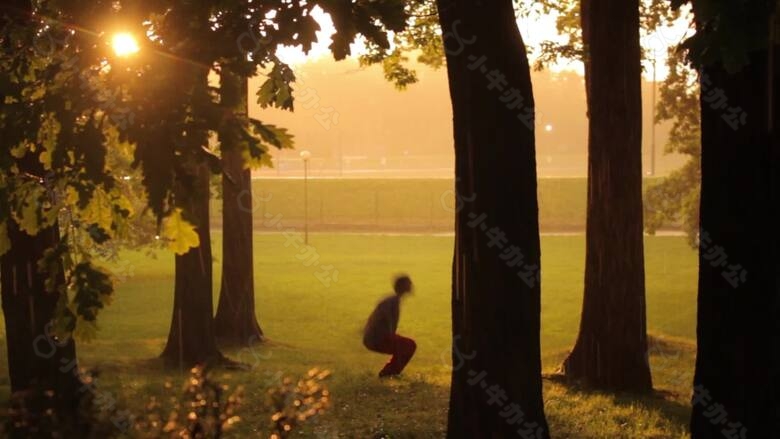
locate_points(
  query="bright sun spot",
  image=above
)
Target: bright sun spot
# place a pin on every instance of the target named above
(124, 44)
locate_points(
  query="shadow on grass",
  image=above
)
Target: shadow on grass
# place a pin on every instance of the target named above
(575, 411)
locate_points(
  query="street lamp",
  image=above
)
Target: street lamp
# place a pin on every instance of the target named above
(652, 121)
(305, 155)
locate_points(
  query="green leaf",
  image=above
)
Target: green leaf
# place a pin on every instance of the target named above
(19, 150)
(99, 210)
(276, 91)
(180, 234)
(47, 137)
(92, 289)
(54, 262)
(30, 207)
(396, 72)
(273, 135)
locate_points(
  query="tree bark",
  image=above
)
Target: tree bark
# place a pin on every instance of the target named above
(191, 339)
(495, 313)
(236, 322)
(611, 348)
(738, 355)
(37, 360)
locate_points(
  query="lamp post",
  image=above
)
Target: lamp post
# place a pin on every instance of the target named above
(652, 121)
(305, 155)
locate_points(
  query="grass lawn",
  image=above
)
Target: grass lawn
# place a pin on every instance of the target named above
(311, 325)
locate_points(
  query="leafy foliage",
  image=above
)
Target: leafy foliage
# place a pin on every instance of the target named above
(654, 14)
(179, 232)
(422, 36)
(727, 31)
(91, 289)
(676, 198)
(69, 105)
(276, 91)
(55, 132)
(139, 230)
(178, 111)
(296, 402)
(268, 134)
(206, 409)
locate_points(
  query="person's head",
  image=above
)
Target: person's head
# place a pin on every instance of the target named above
(402, 284)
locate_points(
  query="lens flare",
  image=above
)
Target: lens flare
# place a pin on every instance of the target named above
(124, 45)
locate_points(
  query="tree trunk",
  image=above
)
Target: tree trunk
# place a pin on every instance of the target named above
(611, 348)
(37, 360)
(737, 379)
(236, 323)
(191, 339)
(496, 386)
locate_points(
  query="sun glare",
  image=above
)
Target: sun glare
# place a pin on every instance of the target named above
(124, 45)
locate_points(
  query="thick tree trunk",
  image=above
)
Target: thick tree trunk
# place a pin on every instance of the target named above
(496, 387)
(236, 323)
(611, 349)
(37, 360)
(737, 380)
(191, 339)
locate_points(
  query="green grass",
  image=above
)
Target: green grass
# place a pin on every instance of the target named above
(310, 325)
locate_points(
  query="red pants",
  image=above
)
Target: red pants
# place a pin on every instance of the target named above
(401, 348)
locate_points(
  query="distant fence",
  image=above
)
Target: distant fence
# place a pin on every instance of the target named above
(373, 204)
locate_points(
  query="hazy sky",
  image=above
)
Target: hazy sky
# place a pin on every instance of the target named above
(350, 118)
(413, 128)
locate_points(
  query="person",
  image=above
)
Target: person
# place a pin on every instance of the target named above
(380, 335)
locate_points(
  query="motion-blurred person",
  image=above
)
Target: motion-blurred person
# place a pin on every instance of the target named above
(379, 334)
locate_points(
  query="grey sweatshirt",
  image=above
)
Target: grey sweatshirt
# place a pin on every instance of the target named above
(382, 322)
